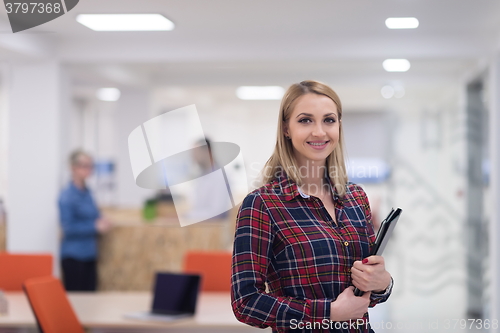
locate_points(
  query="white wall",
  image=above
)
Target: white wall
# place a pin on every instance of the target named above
(133, 109)
(494, 244)
(34, 160)
(4, 130)
(428, 257)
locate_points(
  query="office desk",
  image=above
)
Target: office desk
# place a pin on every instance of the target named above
(103, 312)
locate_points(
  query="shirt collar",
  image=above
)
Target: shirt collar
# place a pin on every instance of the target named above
(290, 189)
(76, 189)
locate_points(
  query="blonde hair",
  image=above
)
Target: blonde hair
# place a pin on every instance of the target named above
(74, 157)
(283, 156)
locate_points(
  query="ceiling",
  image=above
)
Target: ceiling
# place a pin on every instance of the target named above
(227, 42)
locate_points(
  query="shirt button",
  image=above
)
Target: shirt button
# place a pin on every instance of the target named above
(346, 243)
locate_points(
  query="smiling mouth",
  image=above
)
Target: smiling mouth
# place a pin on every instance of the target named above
(319, 144)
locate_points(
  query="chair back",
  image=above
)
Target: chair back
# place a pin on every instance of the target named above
(214, 267)
(16, 268)
(52, 309)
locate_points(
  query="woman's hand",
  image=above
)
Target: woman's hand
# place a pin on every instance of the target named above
(348, 306)
(103, 225)
(370, 274)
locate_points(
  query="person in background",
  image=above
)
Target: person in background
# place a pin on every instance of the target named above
(81, 223)
(209, 199)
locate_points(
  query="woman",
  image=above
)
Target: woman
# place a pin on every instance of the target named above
(303, 239)
(81, 222)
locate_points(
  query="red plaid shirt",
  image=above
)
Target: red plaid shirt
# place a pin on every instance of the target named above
(289, 240)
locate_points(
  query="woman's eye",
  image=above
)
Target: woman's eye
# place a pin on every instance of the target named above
(328, 120)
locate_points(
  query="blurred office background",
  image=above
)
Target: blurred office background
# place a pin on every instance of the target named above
(426, 139)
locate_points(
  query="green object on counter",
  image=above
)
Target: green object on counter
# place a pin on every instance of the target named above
(149, 210)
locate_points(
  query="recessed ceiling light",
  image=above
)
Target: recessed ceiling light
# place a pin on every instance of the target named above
(399, 91)
(108, 94)
(401, 23)
(260, 92)
(125, 22)
(393, 90)
(396, 65)
(387, 91)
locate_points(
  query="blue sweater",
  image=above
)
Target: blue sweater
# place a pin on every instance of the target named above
(77, 214)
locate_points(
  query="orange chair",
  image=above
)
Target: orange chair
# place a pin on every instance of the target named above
(213, 266)
(51, 306)
(16, 268)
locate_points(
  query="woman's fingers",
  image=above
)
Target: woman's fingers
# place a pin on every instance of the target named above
(373, 260)
(358, 265)
(369, 273)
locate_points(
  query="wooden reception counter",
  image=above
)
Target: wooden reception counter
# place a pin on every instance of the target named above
(134, 249)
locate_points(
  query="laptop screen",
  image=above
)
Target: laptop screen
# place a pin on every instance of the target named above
(175, 293)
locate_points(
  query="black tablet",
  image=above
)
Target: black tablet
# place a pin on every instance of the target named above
(385, 231)
(383, 235)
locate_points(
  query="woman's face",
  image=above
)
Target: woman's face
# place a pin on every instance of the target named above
(201, 155)
(314, 128)
(83, 168)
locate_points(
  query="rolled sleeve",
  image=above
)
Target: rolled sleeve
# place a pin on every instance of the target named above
(376, 298)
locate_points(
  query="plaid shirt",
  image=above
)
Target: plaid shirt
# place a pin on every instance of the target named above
(288, 240)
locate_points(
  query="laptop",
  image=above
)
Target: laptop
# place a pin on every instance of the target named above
(175, 296)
